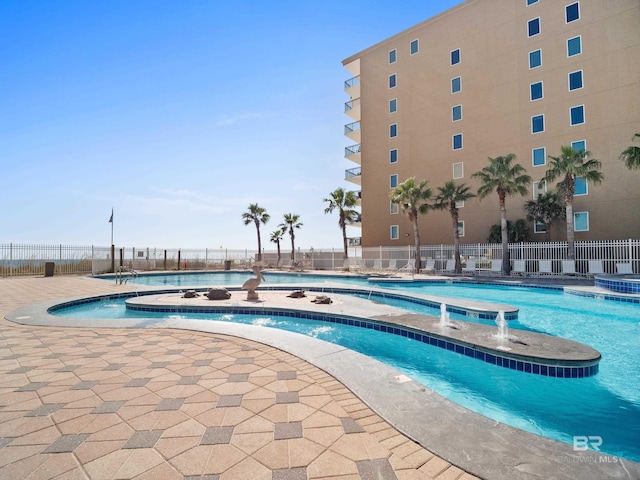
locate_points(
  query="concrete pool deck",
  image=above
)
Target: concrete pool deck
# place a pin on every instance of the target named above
(235, 401)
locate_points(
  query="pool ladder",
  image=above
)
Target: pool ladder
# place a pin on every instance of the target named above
(122, 279)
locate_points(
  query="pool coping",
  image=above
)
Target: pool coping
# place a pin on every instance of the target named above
(466, 439)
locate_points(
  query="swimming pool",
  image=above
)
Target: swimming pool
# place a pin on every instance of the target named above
(607, 405)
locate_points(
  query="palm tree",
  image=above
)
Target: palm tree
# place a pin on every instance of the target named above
(545, 209)
(344, 203)
(276, 236)
(256, 215)
(631, 156)
(504, 177)
(569, 165)
(291, 223)
(448, 198)
(413, 200)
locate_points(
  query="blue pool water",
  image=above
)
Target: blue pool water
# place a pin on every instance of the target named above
(606, 405)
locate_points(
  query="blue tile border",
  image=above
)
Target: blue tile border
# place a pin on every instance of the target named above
(603, 296)
(620, 284)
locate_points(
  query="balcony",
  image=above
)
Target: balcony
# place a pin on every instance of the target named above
(359, 195)
(352, 87)
(354, 241)
(357, 222)
(352, 153)
(353, 175)
(352, 130)
(352, 108)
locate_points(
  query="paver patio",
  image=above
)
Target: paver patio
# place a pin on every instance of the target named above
(91, 403)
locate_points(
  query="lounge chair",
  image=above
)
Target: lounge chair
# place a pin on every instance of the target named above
(595, 268)
(496, 267)
(392, 265)
(624, 268)
(450, 266)
(519, 268)
(429, 267)
(470, 267)
(568, 267)
(410, 266)
(545, 267)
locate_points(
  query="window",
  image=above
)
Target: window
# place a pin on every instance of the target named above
(461, 228)
(537, 124)
(531, 2)
(535, 59)
(539, 156)
(457, 141)
(393, 181)
(456, 84)
(393, 106)
(539, 227)
(394, 232)
(574, 46)
(536, 91)
(456, 113)
(581, 186)
(392, 80)
(577, 115)
(393, 155)
(393, 208)
(393, 130)
(579, 145)
(460, 204)
(392, 56)
(581, 221)
(413, 49)
(458, 170)
(533, 27)
(572, 12)
(575, 80)
(455, 56)
(539, 188)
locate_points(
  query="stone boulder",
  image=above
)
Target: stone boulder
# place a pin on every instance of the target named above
(218, 293)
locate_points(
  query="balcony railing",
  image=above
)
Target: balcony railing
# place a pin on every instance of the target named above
(351, 104)
(352, 82)
(352, 150)
(351, 127)
(354, 241)
(352, 172)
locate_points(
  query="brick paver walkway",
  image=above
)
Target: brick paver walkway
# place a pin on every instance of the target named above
(170, 404)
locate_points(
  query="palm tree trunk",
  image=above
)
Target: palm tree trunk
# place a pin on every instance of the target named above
(293, 247)
(278, 244)
(344, 241)
(259, 256)
(506, 265)
(416, 234)
(456, 243)
(571, 254)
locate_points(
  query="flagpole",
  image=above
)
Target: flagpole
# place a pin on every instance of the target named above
(113, 248)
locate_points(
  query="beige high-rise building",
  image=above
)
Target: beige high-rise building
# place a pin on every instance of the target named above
(488, 78)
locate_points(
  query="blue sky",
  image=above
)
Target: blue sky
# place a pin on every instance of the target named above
(178, 115)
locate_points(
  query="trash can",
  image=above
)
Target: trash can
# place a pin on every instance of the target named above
(227, 264)
(48, 269)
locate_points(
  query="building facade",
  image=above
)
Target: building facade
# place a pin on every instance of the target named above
(485, 79)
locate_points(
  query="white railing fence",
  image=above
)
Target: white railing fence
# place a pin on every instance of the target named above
(30, 260)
